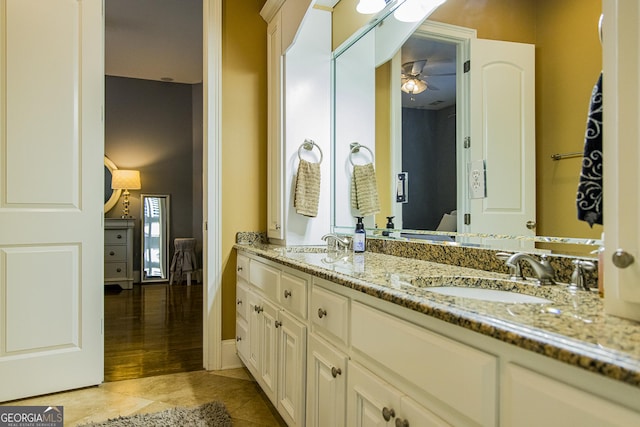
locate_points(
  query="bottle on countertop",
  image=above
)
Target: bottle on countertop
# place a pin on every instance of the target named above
(359, 236)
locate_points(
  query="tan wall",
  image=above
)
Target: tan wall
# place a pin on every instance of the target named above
(244, 133)
(383, 142)
(568, 60)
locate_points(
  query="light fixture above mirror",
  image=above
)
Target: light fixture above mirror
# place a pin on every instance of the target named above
(369, 7)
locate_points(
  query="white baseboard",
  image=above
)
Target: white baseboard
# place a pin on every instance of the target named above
(230, 359)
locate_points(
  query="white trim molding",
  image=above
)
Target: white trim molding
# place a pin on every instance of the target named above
(212, 185)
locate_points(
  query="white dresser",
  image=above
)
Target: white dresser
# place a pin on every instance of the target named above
(118, 252)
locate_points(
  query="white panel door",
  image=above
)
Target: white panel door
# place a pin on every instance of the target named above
(502, 103)
(370, 401)
(51, 207)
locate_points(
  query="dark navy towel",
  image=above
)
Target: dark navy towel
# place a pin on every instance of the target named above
(589, 199)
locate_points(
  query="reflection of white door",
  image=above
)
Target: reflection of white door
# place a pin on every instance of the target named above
(502, 105)
(51, 236)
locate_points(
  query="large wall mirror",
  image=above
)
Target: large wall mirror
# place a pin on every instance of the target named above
(424, 133)
(111, 196)
(155, 237)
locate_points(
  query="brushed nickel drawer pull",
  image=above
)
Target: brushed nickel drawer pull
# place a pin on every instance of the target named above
(622, 259)
(238, 339)
(287, 293)
(322, 313)
(387, 413)
(278, 323)
(335, 372)
(112, 253)
(239, 301)
(402, 423)
(239, 268)
(119, 270)
(258, 309)
(119, 236)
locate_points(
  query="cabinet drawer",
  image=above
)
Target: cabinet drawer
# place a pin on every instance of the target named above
(436, 364)
(115, 237)
(242, 340)
(115, 270)
(242, 267)
(525, 392)
(330, 314)
(265, 278)
(242, 303)
(293, 294)
(114, 253)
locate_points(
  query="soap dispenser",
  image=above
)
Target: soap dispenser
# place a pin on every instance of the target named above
(390, 226)
(359, 236)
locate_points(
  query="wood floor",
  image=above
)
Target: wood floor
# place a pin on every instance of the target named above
(153, 329)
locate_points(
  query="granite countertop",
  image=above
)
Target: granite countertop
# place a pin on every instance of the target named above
(572, 328)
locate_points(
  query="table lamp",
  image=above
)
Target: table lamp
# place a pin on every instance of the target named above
(125, 180)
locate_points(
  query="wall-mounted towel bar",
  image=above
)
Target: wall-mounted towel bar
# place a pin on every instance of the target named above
(567, 155)
(308, 144)
(355, 148)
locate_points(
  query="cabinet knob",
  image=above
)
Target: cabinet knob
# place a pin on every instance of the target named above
(287, 293)
(278, 323)
(119, 236)
(119, 270)
(277, 226)
(258, 309)
(402, 423)
(531, 225)
(622, 259)
(112, 253)
(335, 372)
(322, 313)
(387, 413)
(238, 339)
(239, 302)
(239, 268)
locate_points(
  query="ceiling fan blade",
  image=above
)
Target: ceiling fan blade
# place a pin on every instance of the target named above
(432, 87)
(440, 74)
(418, 66)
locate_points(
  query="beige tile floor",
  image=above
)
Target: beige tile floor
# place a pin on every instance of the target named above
(248, 406)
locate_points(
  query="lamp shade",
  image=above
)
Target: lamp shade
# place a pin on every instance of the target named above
(414, 86)
(125, 180)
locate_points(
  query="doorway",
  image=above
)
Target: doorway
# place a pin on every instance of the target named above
(154, 123)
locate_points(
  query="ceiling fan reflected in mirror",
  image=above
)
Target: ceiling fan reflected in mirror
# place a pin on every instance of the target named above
(414, 77)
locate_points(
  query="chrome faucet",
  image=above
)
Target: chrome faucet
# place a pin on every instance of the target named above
(542, 269)
(336, 242)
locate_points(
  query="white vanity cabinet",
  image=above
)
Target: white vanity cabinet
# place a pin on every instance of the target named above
(527, 392)
(271, 340)
(374, 402)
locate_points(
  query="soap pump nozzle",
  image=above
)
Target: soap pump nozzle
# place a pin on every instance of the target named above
(390, 222)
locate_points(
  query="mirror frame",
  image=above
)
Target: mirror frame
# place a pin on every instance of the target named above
(115, 194)
(167, 231)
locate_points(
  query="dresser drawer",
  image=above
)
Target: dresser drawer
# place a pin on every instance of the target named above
(114, 253)
(115, 237)
(330, 314)
(293, 294)
(442, 367)
(115, 270)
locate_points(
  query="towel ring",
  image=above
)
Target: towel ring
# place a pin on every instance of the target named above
(308, 144)
(355, 148)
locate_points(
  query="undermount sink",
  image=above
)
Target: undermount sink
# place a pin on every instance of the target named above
(487, 294)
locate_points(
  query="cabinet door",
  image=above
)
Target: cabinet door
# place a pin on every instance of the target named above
(370, 401)
(525, 392)
(326, 385)
(292, 337)
(274, 133)
(268, 314)
(242, 339)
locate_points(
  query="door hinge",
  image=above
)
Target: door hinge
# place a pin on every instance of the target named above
(467, 219)
(206, 225)
(467, 66)
(467, 142)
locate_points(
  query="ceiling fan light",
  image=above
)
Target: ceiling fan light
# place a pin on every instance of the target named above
(416, 10)
(369, 7)
(414, 86)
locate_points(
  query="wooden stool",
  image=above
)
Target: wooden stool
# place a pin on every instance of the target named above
(184, 260)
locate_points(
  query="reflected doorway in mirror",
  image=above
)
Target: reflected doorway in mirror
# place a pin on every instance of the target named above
(155, 237)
